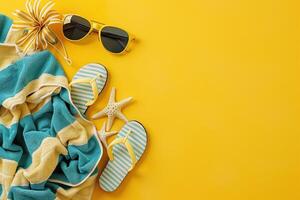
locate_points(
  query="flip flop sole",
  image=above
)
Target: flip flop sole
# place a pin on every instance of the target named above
(117, 169)
(82, 93)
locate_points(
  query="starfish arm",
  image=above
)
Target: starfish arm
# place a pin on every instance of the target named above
(110, 121)
(103, 140)
(105, 136)
(124, 102)
(101, 133)
(103, 128)
(102, 137)
(121, 116)
(111, 133)
(99, 114)
(112, 96)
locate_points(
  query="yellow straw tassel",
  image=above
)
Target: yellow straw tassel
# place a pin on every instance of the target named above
(35, 25)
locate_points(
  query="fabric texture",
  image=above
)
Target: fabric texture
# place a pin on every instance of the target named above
(48, 150)
(8, 54)
(5, 24)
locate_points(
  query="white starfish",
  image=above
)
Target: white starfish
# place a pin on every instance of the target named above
(113, 109)
(103, 134)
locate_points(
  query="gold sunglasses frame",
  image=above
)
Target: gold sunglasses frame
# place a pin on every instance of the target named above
(97, 27)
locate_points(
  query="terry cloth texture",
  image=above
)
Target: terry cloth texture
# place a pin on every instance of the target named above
(47, 149)
(5, 24)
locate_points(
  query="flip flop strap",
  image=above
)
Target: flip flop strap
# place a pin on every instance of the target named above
(93, 84)
(125, 142)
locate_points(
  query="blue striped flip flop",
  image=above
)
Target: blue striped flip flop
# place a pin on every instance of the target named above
(124, 151)
(87, 84)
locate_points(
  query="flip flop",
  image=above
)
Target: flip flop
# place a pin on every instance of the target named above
(87, 84)
(124, 152)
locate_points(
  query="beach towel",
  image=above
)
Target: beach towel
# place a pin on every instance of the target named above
(48, 150)
(5, 25)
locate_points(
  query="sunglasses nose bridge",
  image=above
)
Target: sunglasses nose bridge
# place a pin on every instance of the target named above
(96, 26)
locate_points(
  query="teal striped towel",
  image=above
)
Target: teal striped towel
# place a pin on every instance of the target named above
(47, 149)
(44, 139)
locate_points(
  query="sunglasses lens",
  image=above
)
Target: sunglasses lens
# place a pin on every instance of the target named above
(75, 27)
(114, 39)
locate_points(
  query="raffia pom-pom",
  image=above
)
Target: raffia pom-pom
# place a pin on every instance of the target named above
(35, 25)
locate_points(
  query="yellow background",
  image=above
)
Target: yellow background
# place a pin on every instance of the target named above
(215, 82)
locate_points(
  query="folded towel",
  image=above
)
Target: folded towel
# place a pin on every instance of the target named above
(47, 149)
(5, 24)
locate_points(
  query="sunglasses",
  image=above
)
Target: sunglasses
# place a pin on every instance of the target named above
(114, 39)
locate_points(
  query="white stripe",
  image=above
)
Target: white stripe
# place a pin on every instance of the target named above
(139, 134)
(79, 104)
(78, 90)
(121, 165)
(95, 67)
(122, 171)
(125, 159)
(83, 96)
(136, 142)
(138, 128)
(93, 72)
(105, 183)
(117, 173)
(85, 74)
(79, 101)
(83, 101)
(110, 178)
(81, 107)
(86, 87)
(137, 149)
